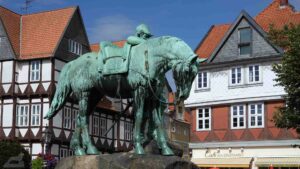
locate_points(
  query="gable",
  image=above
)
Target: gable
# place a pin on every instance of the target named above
(229, 48)
(5, 45)
(75, 31)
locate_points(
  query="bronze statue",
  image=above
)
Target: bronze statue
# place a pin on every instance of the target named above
(138, 75)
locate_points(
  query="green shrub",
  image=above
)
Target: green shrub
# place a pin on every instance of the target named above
(37, 163)
(11, 148)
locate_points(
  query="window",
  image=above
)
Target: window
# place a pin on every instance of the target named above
(254, 74)
(95, 126)
(63, 153)
(75, 47)
(102, 126)
(35, 114)
(127, 130)
(74, 115)
(245, 35)
(67, 118)
(202, 81)
(35, 71)
(238, 116)
(236, 76)
(204, 119)
(22, 115)
(256, 115)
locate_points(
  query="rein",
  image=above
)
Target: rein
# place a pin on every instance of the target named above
(149, 82)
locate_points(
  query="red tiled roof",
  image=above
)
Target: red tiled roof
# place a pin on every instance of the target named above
(41, 32)
(36, 35)
(96, 48)
(11, 22)
(272, 15)
(213, 38)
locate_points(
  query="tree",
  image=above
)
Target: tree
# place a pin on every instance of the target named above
(288, 75)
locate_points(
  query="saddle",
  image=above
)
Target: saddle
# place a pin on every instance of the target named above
(114, 60)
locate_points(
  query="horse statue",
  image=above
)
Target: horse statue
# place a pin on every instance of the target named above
(144, 82)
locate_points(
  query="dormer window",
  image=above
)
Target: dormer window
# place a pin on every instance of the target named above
(245, 35)
(75, 47)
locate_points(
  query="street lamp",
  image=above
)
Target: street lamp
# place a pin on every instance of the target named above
(46, 138)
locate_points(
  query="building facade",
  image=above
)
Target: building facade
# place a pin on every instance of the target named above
(234, 96)
(34, 49)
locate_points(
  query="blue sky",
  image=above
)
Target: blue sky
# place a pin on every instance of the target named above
(116, 19)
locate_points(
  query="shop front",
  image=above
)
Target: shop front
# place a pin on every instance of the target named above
(250, 154)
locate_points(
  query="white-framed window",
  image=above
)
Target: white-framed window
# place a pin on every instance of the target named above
(74, 118)
(202, 80)
(96, 125)
(22, 115)
(236, 77)
(128, 130)
(75, 47)
(203, 119)
(67, 118)
(63, 153)
(102, 126)
(256, 115)
(254, 74)
(35, 69)
(238, 116)
(245, 38)
(35, 114)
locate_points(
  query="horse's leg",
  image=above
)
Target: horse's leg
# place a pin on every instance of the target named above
(161, 136)
(83, 113)
(139, 98)
(75, 141)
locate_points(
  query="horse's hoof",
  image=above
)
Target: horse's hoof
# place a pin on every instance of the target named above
(139, 150)
(167, 151)
(92, 150)
(79, 152)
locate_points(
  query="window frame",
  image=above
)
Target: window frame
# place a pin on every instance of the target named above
(102, 126)
(238, 116)
(24, 118)
(259, 74)
(128, 128)
(242, 76)
(256, 115)
(35, 73)
(74, 118)
(207, 80)
(95, 127)
(243, 44)
(67, 120)
(35, 115)
(203, 119)
(74, 47)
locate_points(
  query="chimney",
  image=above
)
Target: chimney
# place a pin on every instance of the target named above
(284, 3)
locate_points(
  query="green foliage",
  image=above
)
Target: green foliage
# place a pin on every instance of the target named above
(9, 149)
(288, 75)
(37, 163)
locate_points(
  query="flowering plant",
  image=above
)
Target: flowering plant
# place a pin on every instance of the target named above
(50, 160)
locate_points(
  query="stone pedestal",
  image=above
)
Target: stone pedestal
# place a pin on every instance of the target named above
(125, 161)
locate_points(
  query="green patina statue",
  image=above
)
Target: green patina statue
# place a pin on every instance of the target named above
(138, 73)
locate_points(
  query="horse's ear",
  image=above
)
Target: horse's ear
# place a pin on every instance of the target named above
(200, 60)
(192, 59)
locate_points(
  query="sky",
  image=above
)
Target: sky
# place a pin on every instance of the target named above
(114, 20)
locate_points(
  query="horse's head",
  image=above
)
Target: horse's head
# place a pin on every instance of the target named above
(184, 73)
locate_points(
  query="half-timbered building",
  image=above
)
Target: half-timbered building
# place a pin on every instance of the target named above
(33, 50)
(234, 96)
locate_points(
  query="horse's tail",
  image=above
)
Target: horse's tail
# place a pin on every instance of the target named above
(62, 92)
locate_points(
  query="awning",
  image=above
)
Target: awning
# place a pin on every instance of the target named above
(278, 162)
(223, 162)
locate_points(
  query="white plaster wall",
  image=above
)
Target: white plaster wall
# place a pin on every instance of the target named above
(109, 123)
(23, 72)
(59, 64)
(121, 130)
(44, 112)
(36, 148)
(57, 119)
(46, 72)
(7, 115)
(7, 72)
(220, 92)
(55, 149)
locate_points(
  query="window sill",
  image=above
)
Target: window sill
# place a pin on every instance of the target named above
(202, 90)
(203, 130)
(256, 127)
(245, 85)
(238, 128)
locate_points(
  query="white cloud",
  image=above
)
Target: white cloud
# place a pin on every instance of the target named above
(112, 28)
